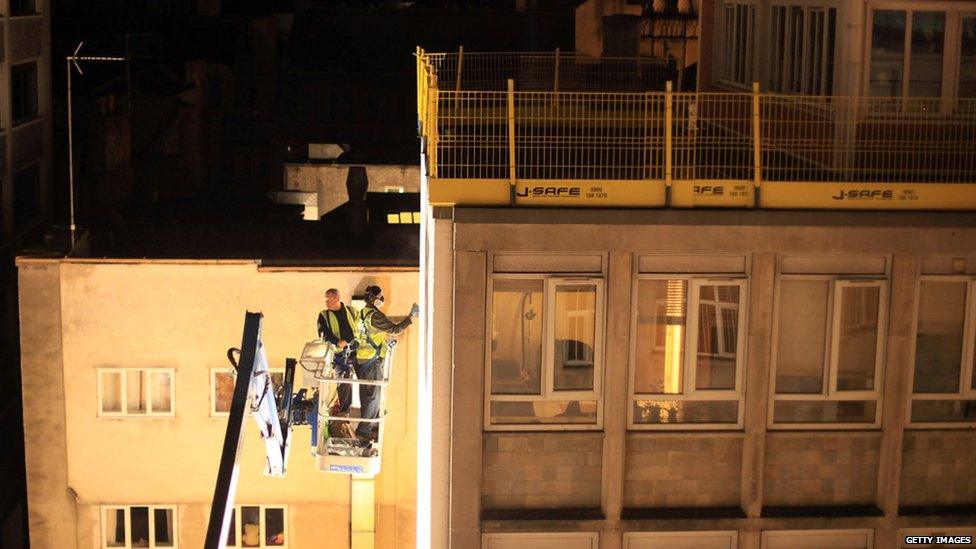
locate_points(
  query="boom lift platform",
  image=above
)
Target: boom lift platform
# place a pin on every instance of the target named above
(276, 410)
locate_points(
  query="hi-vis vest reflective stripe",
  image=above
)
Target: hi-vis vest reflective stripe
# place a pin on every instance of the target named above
(373, 341)
(333, 320)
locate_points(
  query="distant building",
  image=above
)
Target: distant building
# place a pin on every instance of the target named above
(26, 208)
(126, 400)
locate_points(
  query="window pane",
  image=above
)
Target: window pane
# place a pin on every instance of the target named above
(115, 528)
(575, 337)
(162, 392)
(164, 527)
(802, 336)
(685, 411)
(544, 412)
(274, 526)
(135, 392)
(516, 337)
(939, 335)
(925, 64)
(140, 526)
(251, 521)
(661, 306)
(818, 411)
(932, 411)
(111, 391)
(967, 59)
(23, 92)
(223, 391)
(718, 331)
(887, 52)
(858, 344)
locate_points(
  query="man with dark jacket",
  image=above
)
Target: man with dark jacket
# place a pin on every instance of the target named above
(337, 324)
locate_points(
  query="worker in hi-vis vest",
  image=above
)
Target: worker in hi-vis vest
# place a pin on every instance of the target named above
(376, 327)
(338, 324)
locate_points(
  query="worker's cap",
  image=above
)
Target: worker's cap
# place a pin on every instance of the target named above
(372, 292)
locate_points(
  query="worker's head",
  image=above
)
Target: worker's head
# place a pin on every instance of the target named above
(373, 295)
(332, 299)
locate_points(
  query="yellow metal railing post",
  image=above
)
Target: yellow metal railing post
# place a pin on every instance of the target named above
(555, 75)
(457, 79)
(431, 124)
(668, 132)
(511, 132)
(756, 138)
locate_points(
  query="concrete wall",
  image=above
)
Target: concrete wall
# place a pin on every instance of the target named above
(329, 181)
(821, 469)
(184, 315)
(683, 470)
(938, 468)
(541, 470)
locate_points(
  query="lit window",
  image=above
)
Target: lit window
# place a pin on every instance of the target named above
(222, 382)
(828, 351)
(944, 388)
(23, 92)
(802, 54)
(738, 26)
(393, 219)
(546, 351)
(139, 526)
(128, 392)
(258, 526)
(688, 352)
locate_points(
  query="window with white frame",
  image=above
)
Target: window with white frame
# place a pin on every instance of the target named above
(817, 539)
(545, 355)
(258, 526)
(944, 388)
(828, 351)
(688, 351)
(541, 540)
(802, 54)
(133, 526)
(135, 392)
(738, 26)
(679, 540)
(222, 382)
(923, 51)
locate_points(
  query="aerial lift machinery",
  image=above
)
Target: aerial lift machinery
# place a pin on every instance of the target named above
(276, 410)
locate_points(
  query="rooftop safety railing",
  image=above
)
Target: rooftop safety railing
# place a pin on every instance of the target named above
(474, 130)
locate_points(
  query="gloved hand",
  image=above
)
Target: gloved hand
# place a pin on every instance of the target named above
(415, 310)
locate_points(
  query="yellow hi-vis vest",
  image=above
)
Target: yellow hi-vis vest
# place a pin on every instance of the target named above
(351, 315)
(372, 342)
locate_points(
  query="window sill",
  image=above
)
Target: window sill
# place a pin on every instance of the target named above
(25, 15)
(936, 510)
(26, 121)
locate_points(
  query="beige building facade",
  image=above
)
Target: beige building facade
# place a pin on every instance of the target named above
(123, 362)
